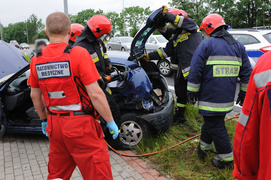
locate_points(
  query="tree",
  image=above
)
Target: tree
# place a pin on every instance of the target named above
(134, 17)
(196, 9)
(114, 18)
(41, 35)
(84, 16)
(34, 26)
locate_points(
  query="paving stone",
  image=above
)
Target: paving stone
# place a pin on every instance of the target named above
(25, 157)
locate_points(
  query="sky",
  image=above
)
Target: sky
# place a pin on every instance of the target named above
(12, 11)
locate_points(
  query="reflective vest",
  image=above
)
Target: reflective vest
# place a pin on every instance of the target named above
(215, 67)
(251, 150)
(61, 90)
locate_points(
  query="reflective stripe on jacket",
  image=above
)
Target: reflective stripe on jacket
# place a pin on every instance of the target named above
(252, 146)
(214, 70)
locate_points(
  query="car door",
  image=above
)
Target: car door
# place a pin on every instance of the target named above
(2, 121)
(118, 44)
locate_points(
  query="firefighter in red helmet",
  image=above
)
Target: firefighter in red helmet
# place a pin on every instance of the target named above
(92, 40)
(65, 77)
(216, 65)
(76, 31)
(184, 37)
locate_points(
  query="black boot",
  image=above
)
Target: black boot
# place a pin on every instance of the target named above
(221, 164)
(201, 153)
(179, 117)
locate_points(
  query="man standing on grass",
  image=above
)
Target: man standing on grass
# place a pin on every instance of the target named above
(216, 64)
(67, 79)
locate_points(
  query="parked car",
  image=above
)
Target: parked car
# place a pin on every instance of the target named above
(45, 40)
(145, 102)
(14, 43)
(256, 41)
(153, 43)
(24, 46)
(120, 43)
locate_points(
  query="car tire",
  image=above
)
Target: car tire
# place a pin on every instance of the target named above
(128, 138)
(164, 67)
(122, 49)
(109, 48)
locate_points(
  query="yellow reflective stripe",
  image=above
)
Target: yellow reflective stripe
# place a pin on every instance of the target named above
(198, 30)
(160, 54)
(215, 107)
(181, 105)
(183, 37)
(106, 56)
(176, 20)
(224, 62)
(96, 59)
(186, 74)
(192, 89)
(243, 89)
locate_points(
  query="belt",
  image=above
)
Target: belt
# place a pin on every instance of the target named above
(76, 113)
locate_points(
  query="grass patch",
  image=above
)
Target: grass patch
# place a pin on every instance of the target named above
(182, 162)
(27, 57)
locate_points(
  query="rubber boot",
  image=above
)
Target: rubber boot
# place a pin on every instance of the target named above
(179, 117)
(221, 164)
(201, 153)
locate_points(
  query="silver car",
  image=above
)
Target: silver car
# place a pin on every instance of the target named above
(120, 43)
(153, 44)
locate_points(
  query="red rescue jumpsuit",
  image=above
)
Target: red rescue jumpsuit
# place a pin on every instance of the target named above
(252, 142)
(75, 139)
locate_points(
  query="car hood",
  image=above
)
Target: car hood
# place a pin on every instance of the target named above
(11, 60)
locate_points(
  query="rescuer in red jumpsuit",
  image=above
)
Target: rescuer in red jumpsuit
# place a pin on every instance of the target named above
(67, 79)
(252, 148)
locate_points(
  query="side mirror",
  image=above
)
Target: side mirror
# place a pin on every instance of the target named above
(118, 42)
(154, 42)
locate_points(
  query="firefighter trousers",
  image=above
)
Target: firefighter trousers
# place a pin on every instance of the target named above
(180, 86)
(214, 130)
(77, 141)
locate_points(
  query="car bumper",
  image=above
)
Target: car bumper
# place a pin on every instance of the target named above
(161, 120)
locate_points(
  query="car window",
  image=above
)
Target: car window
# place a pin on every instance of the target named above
(151, 39)
(112, 40)
(126, 39)
(142, 36)
(245, 39)
(267, 37)
(161, 39)
(117, 40)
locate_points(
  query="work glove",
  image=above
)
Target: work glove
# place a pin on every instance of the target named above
(193, 100)
(146, 57)
(113, 129)
(164, 9)
(102, 82)
(109, 69)
(43, 127)
(241, 98)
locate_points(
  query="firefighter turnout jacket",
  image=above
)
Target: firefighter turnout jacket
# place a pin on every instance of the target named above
(251, 150)
(96, 49)
(216, 65)
(183, 41)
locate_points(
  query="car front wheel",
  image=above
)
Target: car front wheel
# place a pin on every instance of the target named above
(164, 67)
(132, 132)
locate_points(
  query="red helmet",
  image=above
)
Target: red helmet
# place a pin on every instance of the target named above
(212, 22)
(76, 30)
(99, 25)
(178, 12)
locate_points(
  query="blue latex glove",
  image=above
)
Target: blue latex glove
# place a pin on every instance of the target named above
(113, 129)
(43, 126)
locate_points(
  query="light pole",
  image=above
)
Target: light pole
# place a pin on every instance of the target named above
(26, 32)
(123, 18)
(1, 31)
(66, 7)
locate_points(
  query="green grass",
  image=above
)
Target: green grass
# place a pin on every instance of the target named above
(182, 162)
(27, 57)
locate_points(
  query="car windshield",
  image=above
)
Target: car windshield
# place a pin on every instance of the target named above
(267, 37)
(126, 39)
(161, 39)
(142, 36)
